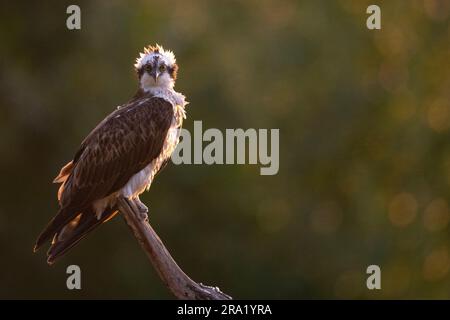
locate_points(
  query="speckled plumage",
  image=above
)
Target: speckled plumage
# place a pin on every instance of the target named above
(120, 157)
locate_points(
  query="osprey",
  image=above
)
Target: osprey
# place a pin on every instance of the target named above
(121, 156)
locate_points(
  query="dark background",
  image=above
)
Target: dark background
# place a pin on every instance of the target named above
(364, 120)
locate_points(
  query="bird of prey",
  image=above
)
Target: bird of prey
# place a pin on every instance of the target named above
(120, 156)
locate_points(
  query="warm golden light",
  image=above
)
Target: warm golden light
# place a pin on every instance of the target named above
(436, 265)
(402, 209)
(436, 216)
(438, 115)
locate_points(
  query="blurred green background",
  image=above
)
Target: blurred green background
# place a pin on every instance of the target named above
(364, 119)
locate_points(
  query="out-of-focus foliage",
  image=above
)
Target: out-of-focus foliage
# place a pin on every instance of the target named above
(364, 120)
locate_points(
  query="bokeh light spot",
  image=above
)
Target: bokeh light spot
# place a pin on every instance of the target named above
(436, 216)
(438, 116)
(402, 209)
(436, 264)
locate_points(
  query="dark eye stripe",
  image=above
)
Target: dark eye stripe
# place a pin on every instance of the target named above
(173, 71)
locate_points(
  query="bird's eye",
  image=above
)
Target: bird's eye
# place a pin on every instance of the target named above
(162, 68)
(148, 67)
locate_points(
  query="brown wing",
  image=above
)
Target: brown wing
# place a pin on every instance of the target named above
(117, 149)
(120, 146)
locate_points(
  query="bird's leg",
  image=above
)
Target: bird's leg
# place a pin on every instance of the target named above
(143, 210)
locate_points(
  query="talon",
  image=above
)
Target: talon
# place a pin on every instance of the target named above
(143, 211)
(143, 216)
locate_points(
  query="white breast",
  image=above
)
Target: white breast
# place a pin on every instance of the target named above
(143, 179)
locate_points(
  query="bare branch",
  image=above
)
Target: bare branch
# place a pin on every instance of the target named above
(171, 274)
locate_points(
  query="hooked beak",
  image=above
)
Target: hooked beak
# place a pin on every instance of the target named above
(154, 75)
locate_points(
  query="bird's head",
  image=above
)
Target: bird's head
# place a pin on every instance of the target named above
(156, 68)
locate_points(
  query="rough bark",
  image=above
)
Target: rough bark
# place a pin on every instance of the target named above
(171, 274)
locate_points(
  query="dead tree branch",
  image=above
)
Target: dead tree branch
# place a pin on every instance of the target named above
(171, 274)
